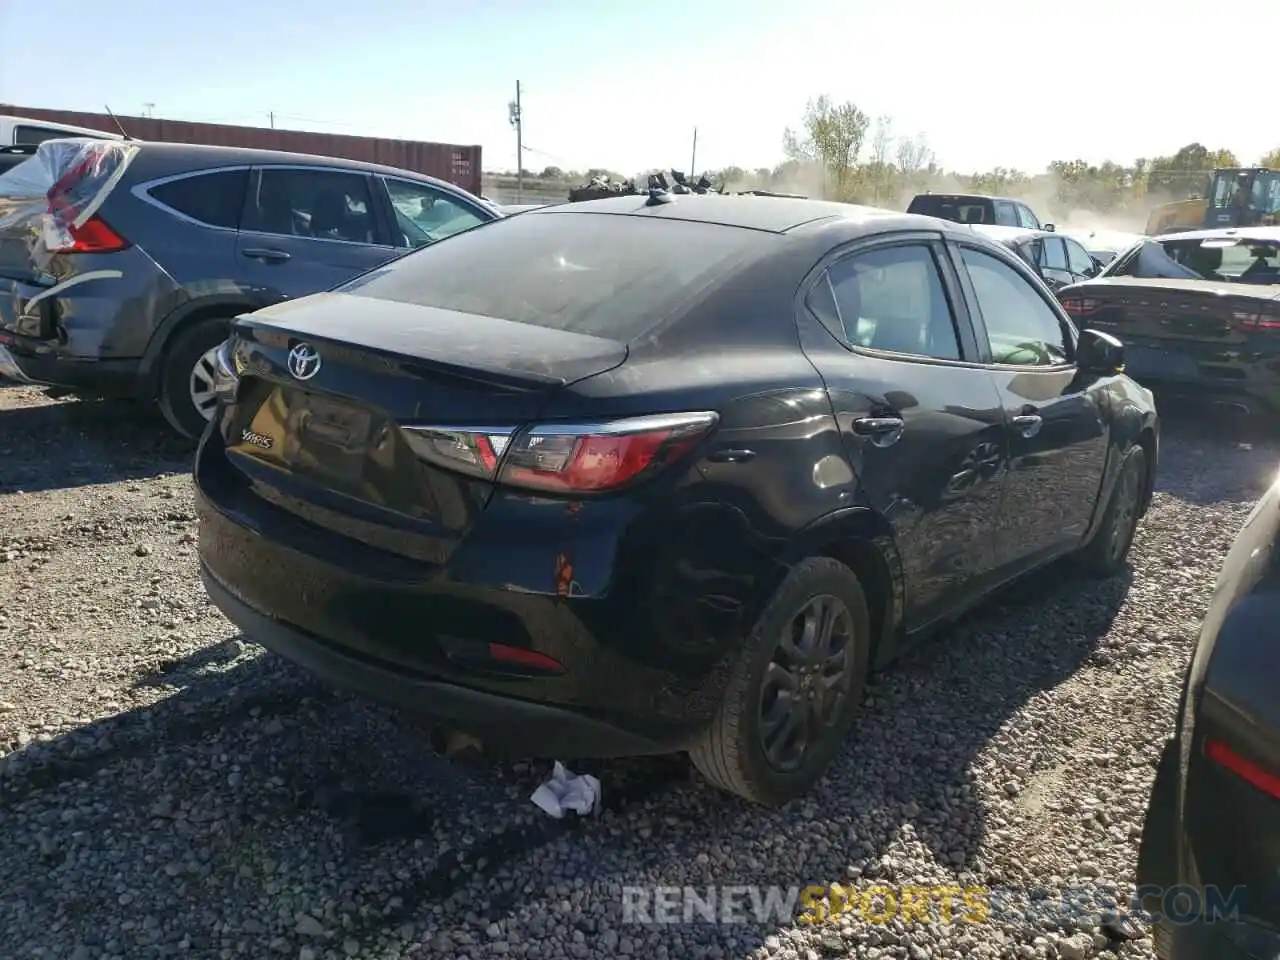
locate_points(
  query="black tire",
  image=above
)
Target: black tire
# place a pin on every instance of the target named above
(731, 752)
(189, 345)
(1108, 551)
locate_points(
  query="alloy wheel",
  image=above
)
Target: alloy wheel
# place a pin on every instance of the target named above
(807, 681)
(1126, 515)
(200, 386)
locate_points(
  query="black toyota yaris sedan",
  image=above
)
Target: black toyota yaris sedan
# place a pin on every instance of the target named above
(660, 473)
(1209, 865)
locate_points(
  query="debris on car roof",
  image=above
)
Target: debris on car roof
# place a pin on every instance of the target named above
(602, 187)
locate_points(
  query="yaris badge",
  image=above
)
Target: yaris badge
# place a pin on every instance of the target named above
(304, 361)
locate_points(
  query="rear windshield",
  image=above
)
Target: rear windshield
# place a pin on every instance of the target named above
(606, 275)
(1229, 260)
(953, 208)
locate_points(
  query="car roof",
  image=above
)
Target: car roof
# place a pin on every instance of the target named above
(964, 196)
(769, 214)
(1270, 234)
(197, 153)
(1005, 234)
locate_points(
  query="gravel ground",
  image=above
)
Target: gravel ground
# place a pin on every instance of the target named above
(169, 790)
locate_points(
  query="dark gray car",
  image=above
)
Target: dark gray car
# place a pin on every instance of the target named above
(123, 263)
(1059, 260)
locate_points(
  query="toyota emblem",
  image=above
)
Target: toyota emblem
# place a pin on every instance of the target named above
(304, 361)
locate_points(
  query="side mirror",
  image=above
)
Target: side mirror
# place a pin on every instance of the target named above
(1049, 227)
(1099, 353)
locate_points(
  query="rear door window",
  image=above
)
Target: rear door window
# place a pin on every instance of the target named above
(1006, 215)
(598, 274)
(1053, 263)
(315, 204)
(215, 198)
(889, 299)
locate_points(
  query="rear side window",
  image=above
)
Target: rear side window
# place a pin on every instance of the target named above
(213, 198)
(950, 208)
(606, 275)
(320, 204)
(27, 135)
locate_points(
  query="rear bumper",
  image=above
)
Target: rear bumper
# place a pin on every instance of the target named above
(534, 728)
(1247, 374)
(410, 632)
(114, 377)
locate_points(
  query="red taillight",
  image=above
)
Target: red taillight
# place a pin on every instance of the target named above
(1246, 769)
(586, 458)
(93, 236)
(523, 657)
(564, 458)
(1080, 306)
(1247, 321)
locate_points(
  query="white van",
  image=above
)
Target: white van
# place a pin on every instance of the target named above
(23, 131)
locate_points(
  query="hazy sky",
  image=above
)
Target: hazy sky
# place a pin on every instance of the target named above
(990, 82)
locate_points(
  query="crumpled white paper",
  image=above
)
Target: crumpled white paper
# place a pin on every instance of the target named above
(567, 791)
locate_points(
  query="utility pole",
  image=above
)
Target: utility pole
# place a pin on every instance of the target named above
(693, 159)
(513, 114)
(149, 107)
(272, 117)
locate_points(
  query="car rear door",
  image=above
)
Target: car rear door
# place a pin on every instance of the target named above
(921, 422)
(307, 229)
(1057, 421)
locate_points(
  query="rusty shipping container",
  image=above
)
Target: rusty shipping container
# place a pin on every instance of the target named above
(447, 161)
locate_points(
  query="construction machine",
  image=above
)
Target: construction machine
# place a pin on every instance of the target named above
(1235, 197)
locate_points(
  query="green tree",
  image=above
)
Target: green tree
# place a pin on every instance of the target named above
(831, 136)
(1271, 159)
(551, 173)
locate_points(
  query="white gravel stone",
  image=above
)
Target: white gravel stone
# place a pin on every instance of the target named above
(169, 790)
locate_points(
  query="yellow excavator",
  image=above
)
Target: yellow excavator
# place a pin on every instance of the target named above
(1236, 197)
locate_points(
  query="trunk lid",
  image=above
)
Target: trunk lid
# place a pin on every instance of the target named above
(49, 207)
(1169, 310)
(331, 446)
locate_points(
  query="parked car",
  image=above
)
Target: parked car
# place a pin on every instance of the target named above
(1199, 313)
(24, 131)
(1213, 821)
(10, 157)
(977, 208)
(1058, 260)
(123, 263)
(1103, 245)
(593, 480)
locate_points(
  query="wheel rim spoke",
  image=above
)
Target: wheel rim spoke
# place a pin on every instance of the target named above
(805, 684)
(200, 386)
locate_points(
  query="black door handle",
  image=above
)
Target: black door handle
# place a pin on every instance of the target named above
(266, 253)
(883, 431)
